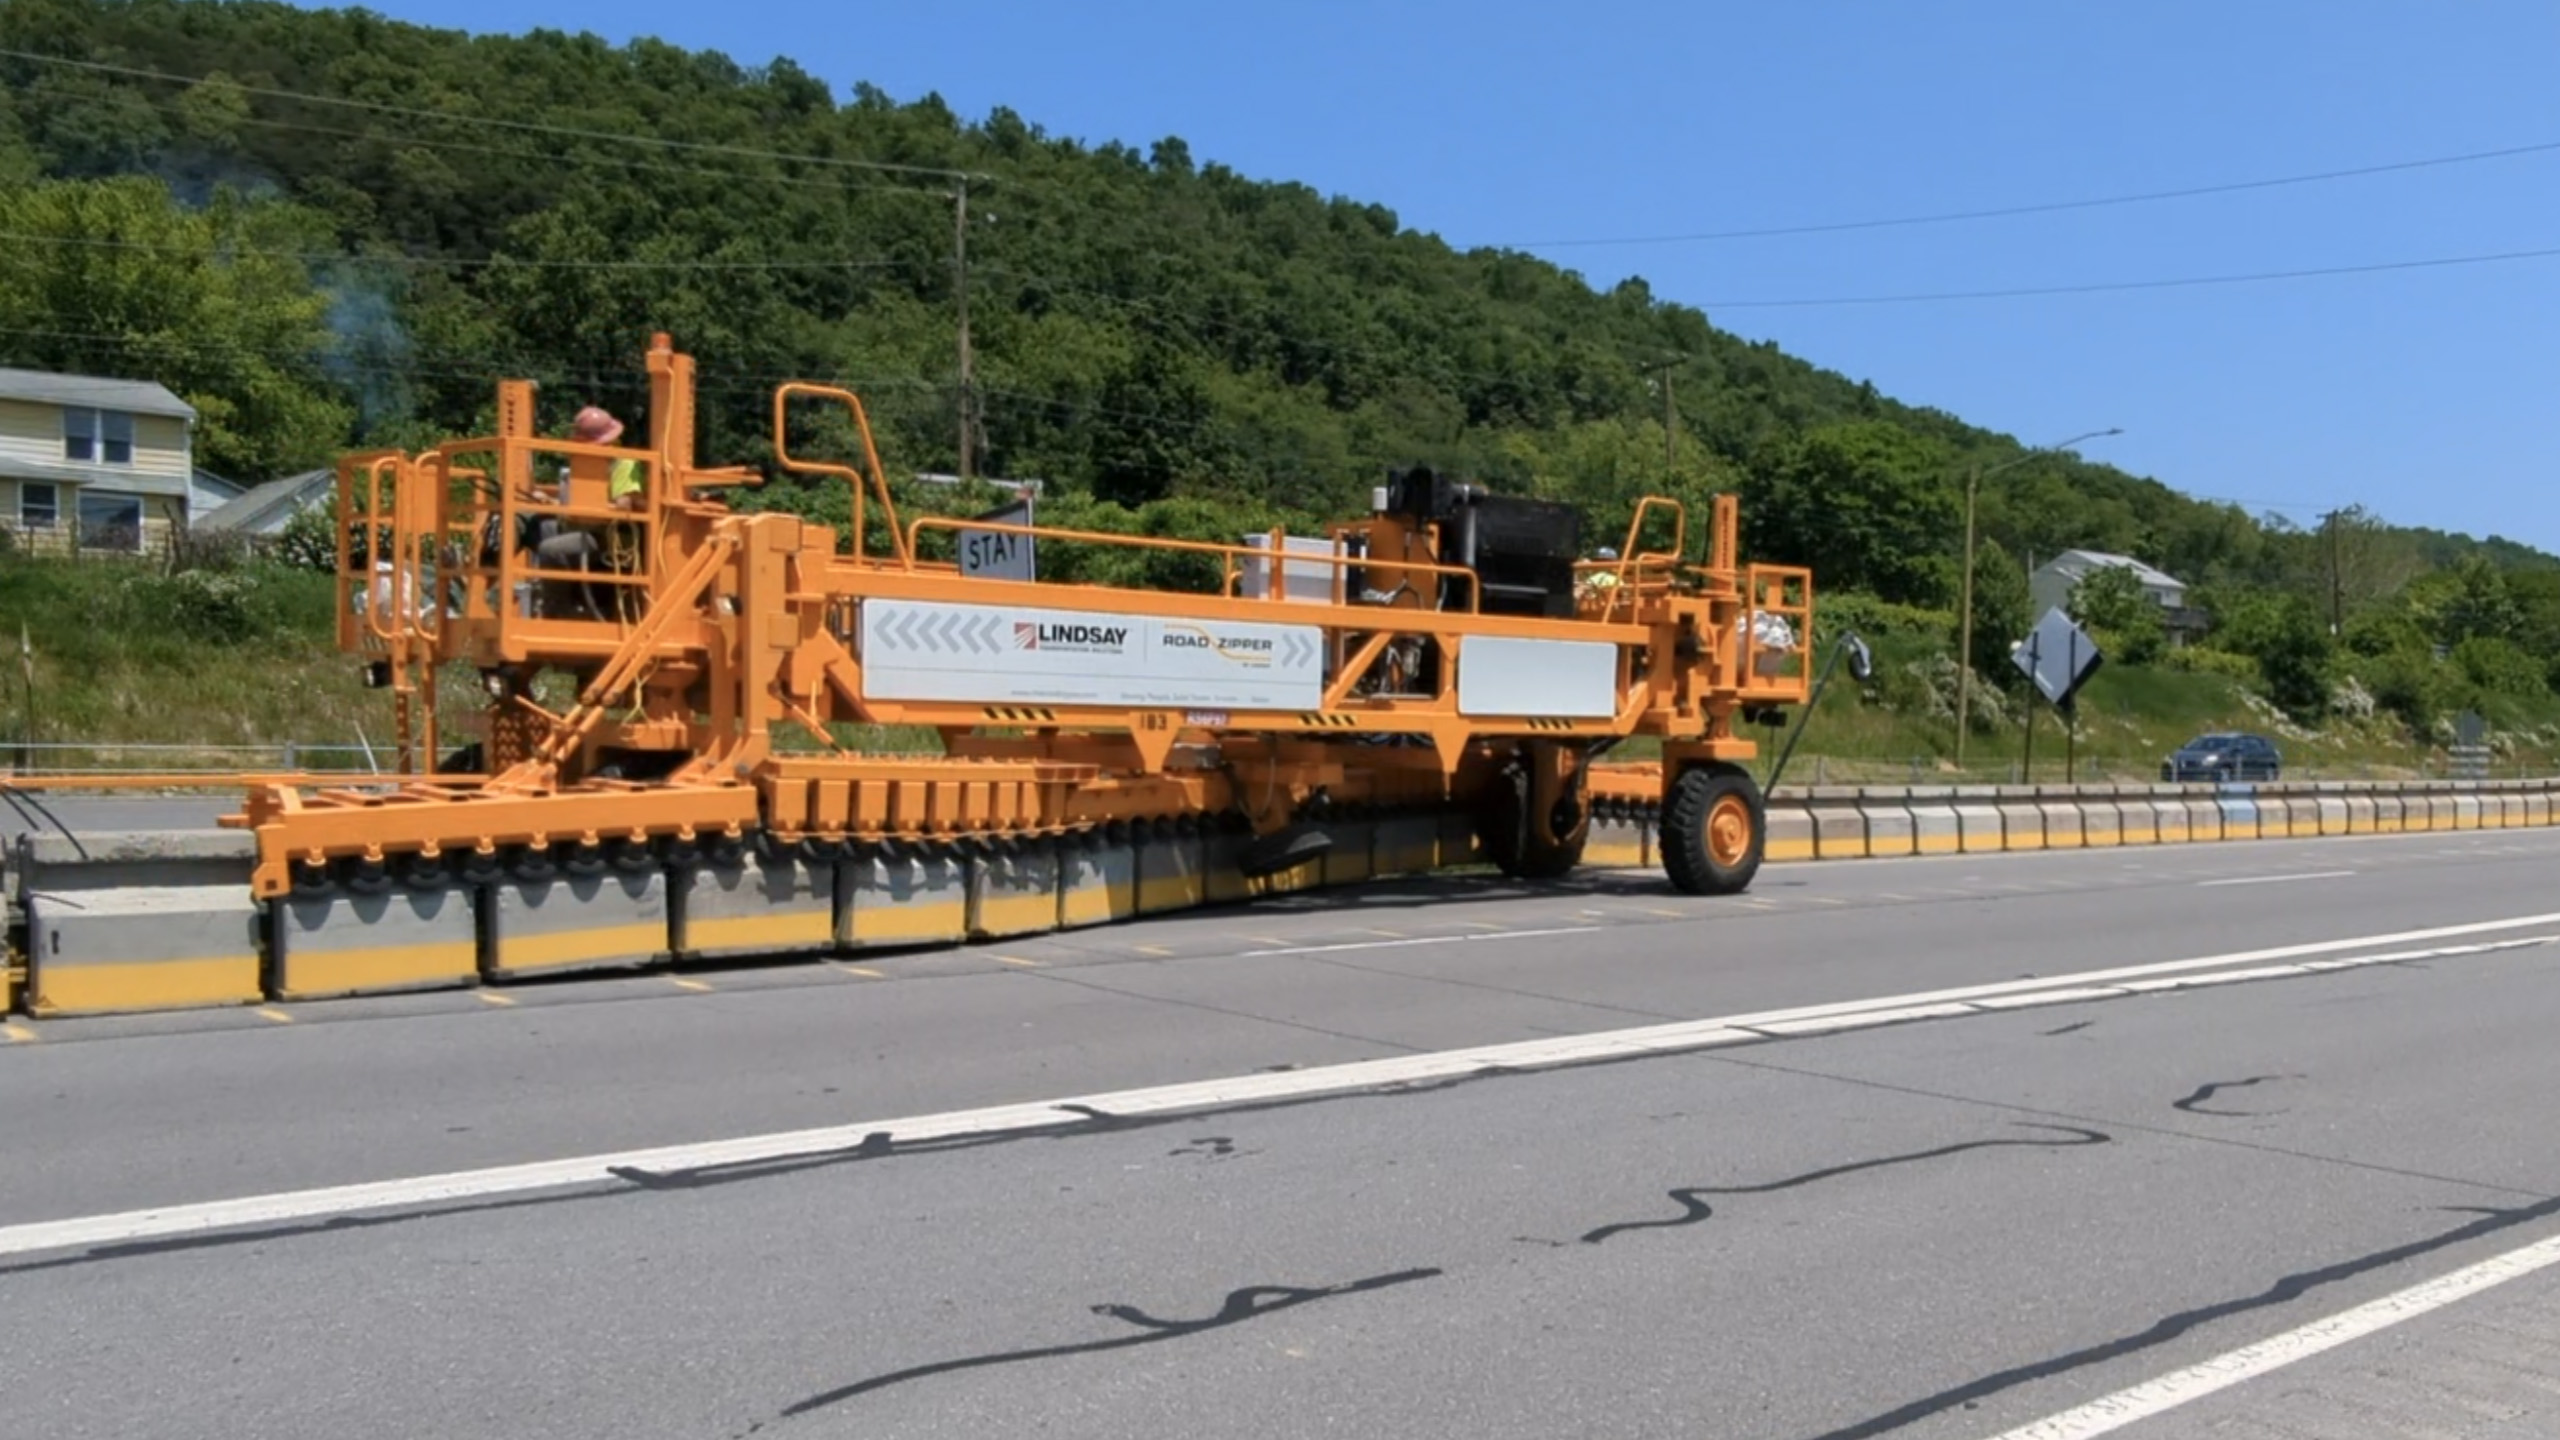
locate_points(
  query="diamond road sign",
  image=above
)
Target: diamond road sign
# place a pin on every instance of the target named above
(2058, 656)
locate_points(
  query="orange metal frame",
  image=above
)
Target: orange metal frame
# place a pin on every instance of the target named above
(724, 629)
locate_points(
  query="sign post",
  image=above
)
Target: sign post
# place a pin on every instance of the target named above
(1000, 554)
(2058, 657)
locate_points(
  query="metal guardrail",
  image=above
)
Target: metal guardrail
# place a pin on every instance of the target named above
(107, 758)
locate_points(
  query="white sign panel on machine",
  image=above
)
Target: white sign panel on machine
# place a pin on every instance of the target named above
(1575, 679)
(1004, 654)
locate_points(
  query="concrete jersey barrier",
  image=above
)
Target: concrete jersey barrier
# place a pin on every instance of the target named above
(119, 923)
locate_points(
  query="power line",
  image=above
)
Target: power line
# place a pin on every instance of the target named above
(328, 257)
(528, 126)
(2119, 285)
(664, 167)
(2050, 207)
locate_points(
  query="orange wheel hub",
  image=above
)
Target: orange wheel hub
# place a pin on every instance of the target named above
(1729, 831)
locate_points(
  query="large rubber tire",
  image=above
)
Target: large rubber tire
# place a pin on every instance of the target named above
(1715, 828)
(1503, 826)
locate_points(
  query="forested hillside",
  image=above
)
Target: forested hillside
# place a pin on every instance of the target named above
(327, 229)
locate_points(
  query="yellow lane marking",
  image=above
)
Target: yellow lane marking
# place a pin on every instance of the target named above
(18, 1034)
(1673, 914)
(681, 983)
(865, 971)
(269, 1012)
(1019, 960)
(487, 998)
(1826, 900)
(1390, 934)
(1151, 949)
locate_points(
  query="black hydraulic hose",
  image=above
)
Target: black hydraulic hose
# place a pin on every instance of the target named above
(1848, 641)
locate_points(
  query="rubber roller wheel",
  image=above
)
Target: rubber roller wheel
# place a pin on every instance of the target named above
(1512, 843)
(1714, 829)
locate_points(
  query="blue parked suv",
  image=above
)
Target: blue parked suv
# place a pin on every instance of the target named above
(2224, 757)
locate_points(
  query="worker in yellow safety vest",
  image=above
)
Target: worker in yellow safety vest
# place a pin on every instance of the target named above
(1599, 584)
(567, 545)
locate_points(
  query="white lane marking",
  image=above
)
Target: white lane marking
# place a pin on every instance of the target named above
(1502, 935)
(1687, 1035)
(2151, 1397)
(2067, 854)
(2276, 879)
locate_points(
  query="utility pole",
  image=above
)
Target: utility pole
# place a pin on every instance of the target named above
(1670, 415)
(960, 290)
(2337, 584)
(1964, 645)
(1670, 427)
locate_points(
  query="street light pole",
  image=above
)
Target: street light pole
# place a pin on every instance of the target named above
(1964, 645)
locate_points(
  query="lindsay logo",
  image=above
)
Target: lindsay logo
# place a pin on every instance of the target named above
(1041, 635)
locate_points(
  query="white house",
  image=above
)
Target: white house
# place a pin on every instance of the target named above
(91, 463)
(2052, 582)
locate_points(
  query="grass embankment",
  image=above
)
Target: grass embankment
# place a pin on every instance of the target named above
(136, 668)
(1900, 728)
(233, 663)
(126, 654)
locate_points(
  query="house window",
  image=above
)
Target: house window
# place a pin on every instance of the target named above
(100, 437)
(39, 506)
(109, 521)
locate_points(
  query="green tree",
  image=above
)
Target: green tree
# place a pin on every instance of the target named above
(2125, 621)
(113, 277)
(1865, 504)
(2478, 605)
(2501, 667)
(2290, 641)
(2002, 612)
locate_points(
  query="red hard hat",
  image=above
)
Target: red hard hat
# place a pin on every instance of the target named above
(596, 426)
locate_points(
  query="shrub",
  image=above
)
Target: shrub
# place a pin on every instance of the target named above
(2500, 667)
(220, 607)
(2410, 685)
(1879, 619)
(2203, 660)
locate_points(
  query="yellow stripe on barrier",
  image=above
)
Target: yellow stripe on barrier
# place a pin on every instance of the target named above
(571, 947)
(145, 985)
(791, 928)
(377, 967)
(1097, 902)
(908, 921)
(1622, 848)
(1173, 892)
(1016, 913)
(1303, 876)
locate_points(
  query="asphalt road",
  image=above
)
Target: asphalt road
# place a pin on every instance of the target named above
(1949, 1227)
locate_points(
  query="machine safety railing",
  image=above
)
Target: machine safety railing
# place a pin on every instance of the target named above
(1776, 599)
(1230, 556)
(876, 480)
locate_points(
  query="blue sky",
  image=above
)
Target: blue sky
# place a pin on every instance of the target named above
(2425, 394)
